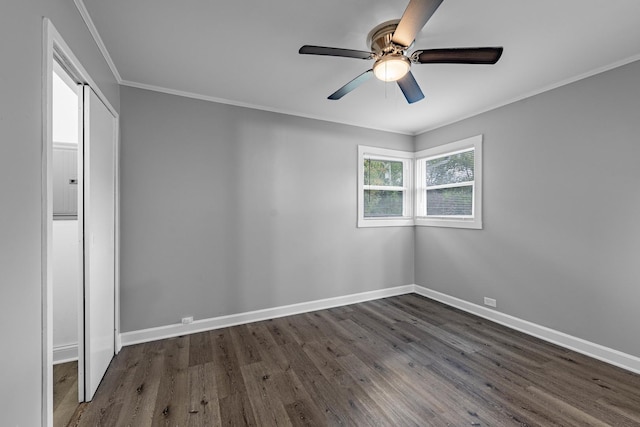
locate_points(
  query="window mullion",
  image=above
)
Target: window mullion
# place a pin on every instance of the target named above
(452, 185)
(384, 188)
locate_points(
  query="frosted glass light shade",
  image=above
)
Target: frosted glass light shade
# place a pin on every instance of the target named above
(390, 68)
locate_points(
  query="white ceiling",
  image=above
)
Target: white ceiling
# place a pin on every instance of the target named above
(246, 53)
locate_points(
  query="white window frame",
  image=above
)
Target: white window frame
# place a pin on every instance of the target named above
(365, 152)
(473, 221)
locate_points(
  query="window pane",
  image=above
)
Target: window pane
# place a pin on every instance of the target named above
(450, 201)
(379, 203)
(383, 172)
(450, 169)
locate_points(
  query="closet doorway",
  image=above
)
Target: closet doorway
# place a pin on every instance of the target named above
(67, 254)
(80, 228)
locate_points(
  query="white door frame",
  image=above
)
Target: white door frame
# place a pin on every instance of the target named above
(54, 47)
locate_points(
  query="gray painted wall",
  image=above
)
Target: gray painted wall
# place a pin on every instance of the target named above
(549, 252)
(227, 209)
(560, 243)
(20, 188)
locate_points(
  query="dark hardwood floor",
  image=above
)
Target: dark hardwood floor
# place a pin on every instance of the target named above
(398, 361)
(65, 392)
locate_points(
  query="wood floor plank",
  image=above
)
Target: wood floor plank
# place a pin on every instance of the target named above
(64, 376)
(508, 388)
(228, 376)
(557, 404)
(495, 398)
(268, 348)
(245, 345)
(629, 410)
(549, 378)
(392, 400)
(399, 361)
(330, 400)
(200, 348)
(324, 359)
(606, 376)
(280, 333)
(531, 359)
(299, 327)
(65, 393)
(408, 366)
(235, 406)
(515, 340)
(301, 408)
(341, 312)
(420, 329)
(138, 408)
(262, 392)
(112, 393)
(172, 405)
(300, 415)
(204, 405)
(391, 363)
(236, 411)
(486, 384)
(430, 313)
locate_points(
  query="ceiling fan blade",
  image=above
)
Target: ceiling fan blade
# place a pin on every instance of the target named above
(413, 19)
(410, 88)
(335, 51)
(463, 55)
(351, 85)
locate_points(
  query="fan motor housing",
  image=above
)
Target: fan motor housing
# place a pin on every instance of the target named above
(379, 39)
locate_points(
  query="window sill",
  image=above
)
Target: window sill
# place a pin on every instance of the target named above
(385, 222)
(474, 224)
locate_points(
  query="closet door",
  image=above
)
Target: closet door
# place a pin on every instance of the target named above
(99, 139)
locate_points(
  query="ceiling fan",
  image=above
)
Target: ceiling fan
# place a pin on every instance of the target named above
(389, 43)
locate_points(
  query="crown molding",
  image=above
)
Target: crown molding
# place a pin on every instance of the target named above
(105, 53)
(96, 37)
(208, 98)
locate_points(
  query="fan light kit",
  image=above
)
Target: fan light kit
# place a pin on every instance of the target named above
(391, 68)
(389, 43)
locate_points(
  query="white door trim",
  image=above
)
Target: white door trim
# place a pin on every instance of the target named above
(54, 46)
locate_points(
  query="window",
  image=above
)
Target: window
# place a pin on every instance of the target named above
(449, 185)
(384, 187)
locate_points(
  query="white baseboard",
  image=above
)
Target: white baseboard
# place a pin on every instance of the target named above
(65, 353)
(118, 343)
(597, 351)
(169, 331)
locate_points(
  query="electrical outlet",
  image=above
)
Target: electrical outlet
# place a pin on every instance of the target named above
(490, 302)
(187, 320)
